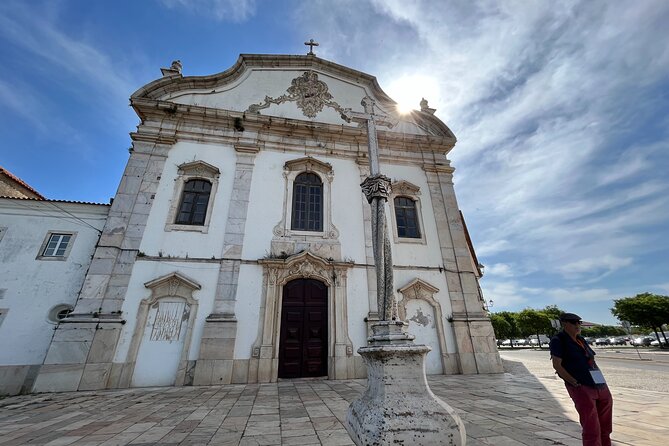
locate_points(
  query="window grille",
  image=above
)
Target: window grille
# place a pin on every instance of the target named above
(307, 203)
(406, 218)
(194, 200)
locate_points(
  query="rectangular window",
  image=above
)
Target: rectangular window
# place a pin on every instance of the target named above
(57, 245)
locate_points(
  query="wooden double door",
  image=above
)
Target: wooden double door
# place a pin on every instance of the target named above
(303, 344)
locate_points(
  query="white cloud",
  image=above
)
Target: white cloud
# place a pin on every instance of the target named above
(490, 247)
(499, 270)
(22, 102)
(504, 295)
(661, 288)
(578, 294)
(64, 57)
(596, 264)
(224, 10)
(511, 294)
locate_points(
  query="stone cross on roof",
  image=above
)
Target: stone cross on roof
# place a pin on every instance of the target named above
(311, 44)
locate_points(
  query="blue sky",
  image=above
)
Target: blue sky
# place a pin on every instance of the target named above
(561, 111)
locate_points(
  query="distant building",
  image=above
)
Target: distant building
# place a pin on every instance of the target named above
(238, 246)
(13, 186)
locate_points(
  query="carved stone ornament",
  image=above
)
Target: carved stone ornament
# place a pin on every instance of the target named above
(310, 94)
(376, 186)
(405, 188)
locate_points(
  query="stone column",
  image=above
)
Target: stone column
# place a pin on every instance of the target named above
(82, 350)
(373, 314)
(474, 337)
(217, 347)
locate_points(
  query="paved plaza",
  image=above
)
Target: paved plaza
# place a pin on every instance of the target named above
(500, 410)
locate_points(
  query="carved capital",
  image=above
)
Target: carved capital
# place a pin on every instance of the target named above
(376, 186)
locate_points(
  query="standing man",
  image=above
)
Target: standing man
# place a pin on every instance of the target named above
(574, 362)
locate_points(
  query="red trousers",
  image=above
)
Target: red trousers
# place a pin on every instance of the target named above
(595, 412)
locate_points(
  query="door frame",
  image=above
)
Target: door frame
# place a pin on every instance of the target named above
(171, 285)
(303, 307)
(277, 272)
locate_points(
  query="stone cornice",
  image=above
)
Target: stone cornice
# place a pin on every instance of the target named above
(165, 122)
(438, 168)
(169, 85)
(470, 317)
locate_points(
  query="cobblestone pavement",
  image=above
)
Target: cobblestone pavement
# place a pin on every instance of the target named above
(627, 370)
(500, 410)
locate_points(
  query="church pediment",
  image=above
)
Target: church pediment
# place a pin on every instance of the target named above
(308, 164)
(403, 187)
(199, 168)
(173, 284)
(293, 87)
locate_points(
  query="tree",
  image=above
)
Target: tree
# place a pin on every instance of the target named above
(553, 312)
(501, 326)
(645, 309)
(510, 318)
(533, 322)
(602, 330)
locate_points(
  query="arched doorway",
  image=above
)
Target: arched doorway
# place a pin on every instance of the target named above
(303, 345)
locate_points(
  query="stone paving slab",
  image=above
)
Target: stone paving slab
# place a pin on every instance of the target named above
(496, 409)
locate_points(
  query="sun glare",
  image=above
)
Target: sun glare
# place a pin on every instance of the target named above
(408, 91)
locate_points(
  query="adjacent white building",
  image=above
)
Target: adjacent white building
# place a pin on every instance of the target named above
(46, 248)
(238, 246)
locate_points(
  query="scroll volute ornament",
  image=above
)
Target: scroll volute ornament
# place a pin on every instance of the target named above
(308, 92)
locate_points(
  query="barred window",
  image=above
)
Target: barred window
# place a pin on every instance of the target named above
(307, 203)
(406, 218)
(194, 200)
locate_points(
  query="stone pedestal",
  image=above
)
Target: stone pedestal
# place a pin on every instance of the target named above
(398, 406)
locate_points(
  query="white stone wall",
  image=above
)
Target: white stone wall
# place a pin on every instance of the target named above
(259, 82)
(165, 251)
(233, 277)
(32, 286)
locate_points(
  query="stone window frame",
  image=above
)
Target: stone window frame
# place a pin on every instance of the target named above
(194, 170)
(47, 238)
(324, 171)
(277, 273)
(173, 285)
(408, 190)
(420, 289)
(307, 194)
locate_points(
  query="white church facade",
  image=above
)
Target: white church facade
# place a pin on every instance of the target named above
(238, 246)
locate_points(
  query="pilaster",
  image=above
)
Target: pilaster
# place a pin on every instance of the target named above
(473, 331)
(215, 362)
(81, 352)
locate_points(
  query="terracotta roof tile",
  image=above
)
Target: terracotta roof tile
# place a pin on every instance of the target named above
(54, 201)
(20, 182)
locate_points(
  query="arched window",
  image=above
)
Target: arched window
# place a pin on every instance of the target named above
(406, 218)
(307, 203)
(194, 200)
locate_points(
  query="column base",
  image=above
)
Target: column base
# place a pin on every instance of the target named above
(398, 406)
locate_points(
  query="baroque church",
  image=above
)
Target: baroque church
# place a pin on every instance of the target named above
(238, 246)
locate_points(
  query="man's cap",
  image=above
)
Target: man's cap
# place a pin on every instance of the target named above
(570, 317)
